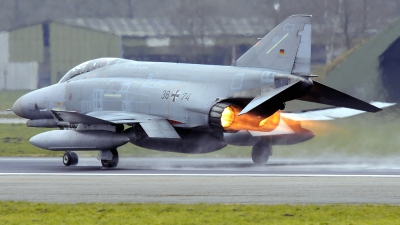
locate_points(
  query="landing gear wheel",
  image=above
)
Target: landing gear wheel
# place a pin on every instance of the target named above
(70, 159)
(113, 162)
(75, 159)
(261, 152)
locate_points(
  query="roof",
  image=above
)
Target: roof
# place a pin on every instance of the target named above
(360, 73)
(161, 27)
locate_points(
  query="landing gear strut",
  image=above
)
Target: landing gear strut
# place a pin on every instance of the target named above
(261, 152)
(70, 158)
(113, 162)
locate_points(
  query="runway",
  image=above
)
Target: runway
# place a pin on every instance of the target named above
(198, 180)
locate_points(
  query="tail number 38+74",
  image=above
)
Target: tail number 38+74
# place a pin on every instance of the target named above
(175, 95)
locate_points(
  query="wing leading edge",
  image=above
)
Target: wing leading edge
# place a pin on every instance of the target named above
(154, 126)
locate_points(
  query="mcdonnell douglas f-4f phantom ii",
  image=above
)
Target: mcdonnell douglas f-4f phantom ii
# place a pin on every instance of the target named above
(105, 103)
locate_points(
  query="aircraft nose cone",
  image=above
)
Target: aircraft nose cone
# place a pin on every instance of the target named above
(17, 107)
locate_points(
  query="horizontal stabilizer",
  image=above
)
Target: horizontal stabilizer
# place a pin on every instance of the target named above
(328, 113)
(329, 96)
(263, 98)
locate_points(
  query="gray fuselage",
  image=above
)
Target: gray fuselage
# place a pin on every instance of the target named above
(181, 93)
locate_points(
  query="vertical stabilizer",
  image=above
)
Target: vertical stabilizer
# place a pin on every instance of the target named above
(286, 48)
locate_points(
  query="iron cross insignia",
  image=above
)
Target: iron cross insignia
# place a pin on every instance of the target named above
(175, 95)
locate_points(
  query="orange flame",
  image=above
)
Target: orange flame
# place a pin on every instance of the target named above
(230, 120)
(320, 127)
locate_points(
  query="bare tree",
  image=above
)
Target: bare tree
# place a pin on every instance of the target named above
(344, 12)
(193, 19)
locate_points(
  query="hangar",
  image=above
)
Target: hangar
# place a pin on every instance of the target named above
(373, 71)
(57, 46)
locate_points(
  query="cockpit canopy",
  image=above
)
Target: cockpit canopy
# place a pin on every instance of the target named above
(90, 66)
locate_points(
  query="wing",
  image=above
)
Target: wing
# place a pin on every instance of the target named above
(329, 113)
(154, 126)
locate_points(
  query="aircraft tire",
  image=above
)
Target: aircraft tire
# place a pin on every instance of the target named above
(113, 162)
(75, 159)
(67, 159)
(261, 152)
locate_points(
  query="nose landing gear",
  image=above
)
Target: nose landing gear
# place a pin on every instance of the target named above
(70, 158)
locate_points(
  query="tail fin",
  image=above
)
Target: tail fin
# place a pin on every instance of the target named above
(286, 48)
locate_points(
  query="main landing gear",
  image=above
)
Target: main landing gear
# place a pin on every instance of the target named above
(108, 158)
(70, 158)
(110, 162)
(261, 152)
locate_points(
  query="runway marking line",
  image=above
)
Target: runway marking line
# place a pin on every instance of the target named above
(201, 175)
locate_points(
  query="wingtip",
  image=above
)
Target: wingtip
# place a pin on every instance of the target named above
(382, 104)
(379, 106)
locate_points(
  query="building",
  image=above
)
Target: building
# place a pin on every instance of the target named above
(372, 73)
(57, 46)
(15, 75)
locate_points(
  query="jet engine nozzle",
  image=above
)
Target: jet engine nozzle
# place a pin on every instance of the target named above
(225, 117)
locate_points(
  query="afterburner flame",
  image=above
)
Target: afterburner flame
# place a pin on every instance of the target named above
(227, 117)
(230, 120)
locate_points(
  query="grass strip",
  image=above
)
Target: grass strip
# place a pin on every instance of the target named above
(136, 213)
(7, 98)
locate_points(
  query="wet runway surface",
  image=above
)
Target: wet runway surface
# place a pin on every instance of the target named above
(196, 180)
(193, 166)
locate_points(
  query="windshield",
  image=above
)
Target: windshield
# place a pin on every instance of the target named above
(90, 66)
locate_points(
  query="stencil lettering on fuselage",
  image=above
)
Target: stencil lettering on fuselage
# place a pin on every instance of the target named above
(126, 102)
(98, 95)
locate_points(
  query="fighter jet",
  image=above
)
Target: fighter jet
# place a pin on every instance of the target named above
(105, 103)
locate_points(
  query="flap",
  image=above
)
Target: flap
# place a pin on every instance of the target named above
(159, 129)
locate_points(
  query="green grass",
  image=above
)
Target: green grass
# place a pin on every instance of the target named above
(127, 213)
(7, 98)
(14, 141)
